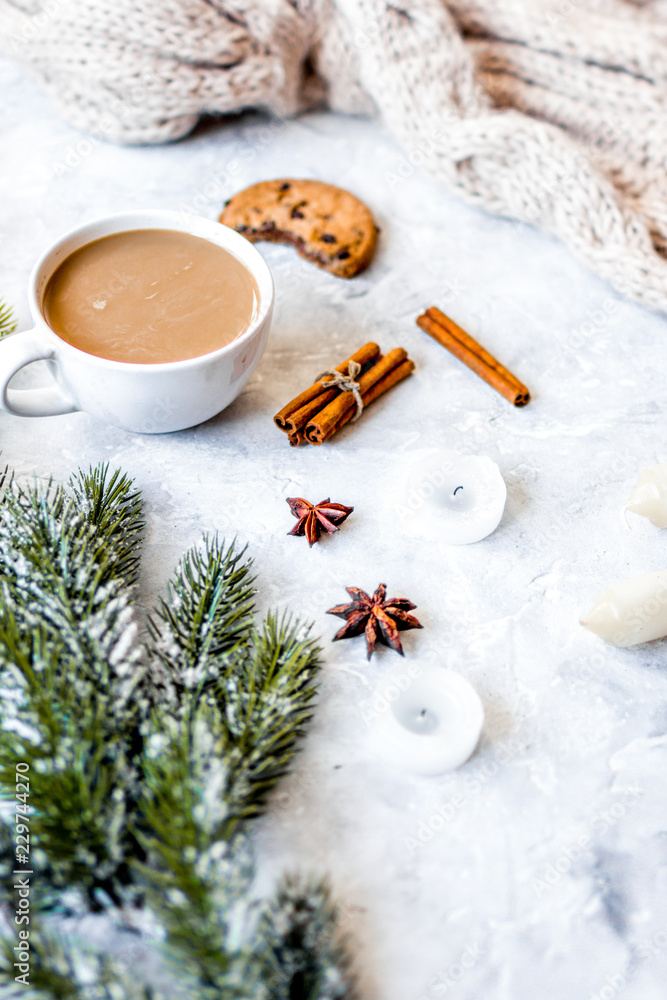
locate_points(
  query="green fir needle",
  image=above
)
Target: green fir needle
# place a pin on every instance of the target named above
(7, 322)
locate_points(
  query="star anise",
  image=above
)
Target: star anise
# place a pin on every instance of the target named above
(313, 517)
(379, 619)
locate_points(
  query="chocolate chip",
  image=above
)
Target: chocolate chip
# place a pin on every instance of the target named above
(342, 255)
(296, 213)
(328, 238)
(285, 187)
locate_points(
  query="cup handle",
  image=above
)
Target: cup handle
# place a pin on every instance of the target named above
(16, 352)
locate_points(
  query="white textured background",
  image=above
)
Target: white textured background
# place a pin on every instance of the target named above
(572, 725)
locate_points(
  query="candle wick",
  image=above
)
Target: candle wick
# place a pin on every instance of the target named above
(457, 489)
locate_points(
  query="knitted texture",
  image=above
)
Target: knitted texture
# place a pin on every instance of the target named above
(548, 111)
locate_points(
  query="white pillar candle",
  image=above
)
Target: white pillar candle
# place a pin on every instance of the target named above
(457, 498)
(649, 497)
(426, 720)
(632, 611)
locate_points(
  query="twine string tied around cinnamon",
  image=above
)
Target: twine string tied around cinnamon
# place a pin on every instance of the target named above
(346, 382)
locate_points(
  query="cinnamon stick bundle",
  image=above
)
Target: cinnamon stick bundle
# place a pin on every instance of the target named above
(316, 414)
(296, 414)
(466, 349)
(342, 409)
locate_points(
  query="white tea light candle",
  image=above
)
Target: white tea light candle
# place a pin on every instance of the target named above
(649, 497)
(458, 498)
(427, 721)
(631, 611)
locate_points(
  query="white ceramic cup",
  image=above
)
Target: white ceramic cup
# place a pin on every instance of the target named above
(145, 398)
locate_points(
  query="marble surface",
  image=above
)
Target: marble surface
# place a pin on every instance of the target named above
(540, 867)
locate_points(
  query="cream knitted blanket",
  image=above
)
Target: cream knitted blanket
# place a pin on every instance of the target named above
(549, 111)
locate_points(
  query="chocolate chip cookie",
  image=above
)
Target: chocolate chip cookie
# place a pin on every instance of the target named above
(326, 224)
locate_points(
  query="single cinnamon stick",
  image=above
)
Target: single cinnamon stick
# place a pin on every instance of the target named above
(471, 353)
(343, 408)
(473, 345)
(299, 410)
